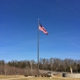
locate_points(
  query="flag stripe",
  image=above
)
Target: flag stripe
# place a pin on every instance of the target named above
(41, 28)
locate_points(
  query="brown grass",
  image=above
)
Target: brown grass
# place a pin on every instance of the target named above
(21, 77)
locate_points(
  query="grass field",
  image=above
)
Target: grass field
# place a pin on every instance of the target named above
(20, 77)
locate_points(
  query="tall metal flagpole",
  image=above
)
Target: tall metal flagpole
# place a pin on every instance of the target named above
(38, 51)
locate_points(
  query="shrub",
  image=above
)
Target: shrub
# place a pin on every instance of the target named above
(26, 75)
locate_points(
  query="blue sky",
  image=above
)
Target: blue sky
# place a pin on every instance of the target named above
(19, 24)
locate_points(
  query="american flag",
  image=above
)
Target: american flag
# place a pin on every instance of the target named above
(41, 28)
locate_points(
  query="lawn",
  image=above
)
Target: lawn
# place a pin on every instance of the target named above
(43, 78)
(13, 77)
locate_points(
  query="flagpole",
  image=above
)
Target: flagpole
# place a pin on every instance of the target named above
(38, 51)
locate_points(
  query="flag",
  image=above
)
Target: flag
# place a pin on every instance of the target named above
(41, 28)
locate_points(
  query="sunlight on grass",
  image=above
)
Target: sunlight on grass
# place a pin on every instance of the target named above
(14, 77)
(43, 78)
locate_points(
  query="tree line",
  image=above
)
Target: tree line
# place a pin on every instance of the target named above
(26, 66)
